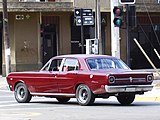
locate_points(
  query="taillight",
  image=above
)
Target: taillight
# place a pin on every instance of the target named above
(111, 79)
(149, 78)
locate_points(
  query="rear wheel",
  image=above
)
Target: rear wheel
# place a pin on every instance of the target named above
(126, 99)
(84, 95)
(63, 100)
(21, 93)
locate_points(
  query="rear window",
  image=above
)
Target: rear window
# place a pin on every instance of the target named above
(106, 63)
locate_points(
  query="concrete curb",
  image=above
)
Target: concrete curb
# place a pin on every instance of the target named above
(156, 76)
(154, 99)
(3, 82)
(153, 95)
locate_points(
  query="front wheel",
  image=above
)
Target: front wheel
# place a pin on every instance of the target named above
(126, 99)
(84, 95)
(21, 93)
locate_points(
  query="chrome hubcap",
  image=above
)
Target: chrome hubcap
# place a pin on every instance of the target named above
(83, 95)
(20, 93)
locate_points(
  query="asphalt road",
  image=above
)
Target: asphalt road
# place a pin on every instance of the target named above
(41, 108)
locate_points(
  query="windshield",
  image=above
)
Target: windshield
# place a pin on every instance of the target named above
(106, 63)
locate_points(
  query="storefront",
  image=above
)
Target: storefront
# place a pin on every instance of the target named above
(48, 29)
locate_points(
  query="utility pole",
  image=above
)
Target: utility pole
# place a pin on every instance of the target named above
(6, 38)
(82, 32)
(98, 25)
(127, 36)
(115, 39)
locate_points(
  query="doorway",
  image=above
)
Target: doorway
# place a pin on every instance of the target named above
(1, 51)
(1, 34)
(49, 46)
(89, 33)
(49, 34)
(146, 37)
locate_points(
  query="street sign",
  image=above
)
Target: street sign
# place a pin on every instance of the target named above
(77, 12)
(87, 20)
(127, 1)
(85, 12)
(87, 16)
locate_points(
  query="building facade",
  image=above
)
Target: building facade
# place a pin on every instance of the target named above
(40, 29)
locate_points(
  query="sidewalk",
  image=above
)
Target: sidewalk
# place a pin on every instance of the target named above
(153, 95)
(3, 82)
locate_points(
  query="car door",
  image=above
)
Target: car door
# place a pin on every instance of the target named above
(47, 82)
(68, 76)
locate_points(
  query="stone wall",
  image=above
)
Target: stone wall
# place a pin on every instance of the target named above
(38, 6)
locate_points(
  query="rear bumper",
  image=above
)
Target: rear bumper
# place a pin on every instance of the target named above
(128, 88)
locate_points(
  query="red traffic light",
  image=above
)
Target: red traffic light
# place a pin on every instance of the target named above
(118, 11)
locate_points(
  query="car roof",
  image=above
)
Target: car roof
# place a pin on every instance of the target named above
(84, 56)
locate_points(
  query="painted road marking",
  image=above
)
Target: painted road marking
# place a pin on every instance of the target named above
(20, 114)
(15, 104)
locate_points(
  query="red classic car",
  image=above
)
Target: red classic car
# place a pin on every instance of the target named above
(85, 77)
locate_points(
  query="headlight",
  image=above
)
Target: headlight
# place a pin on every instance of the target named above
(111, 79)
(149, 78)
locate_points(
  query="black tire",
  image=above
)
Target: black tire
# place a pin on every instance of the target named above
(84, 95)
(63, 100)
(21, 93)
(126, 99)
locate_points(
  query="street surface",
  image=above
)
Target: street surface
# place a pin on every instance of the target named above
(41, 108)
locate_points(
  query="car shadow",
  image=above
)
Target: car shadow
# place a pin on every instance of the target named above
(134, 104)
(103, 103)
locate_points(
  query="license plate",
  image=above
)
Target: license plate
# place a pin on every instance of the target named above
(130, 89)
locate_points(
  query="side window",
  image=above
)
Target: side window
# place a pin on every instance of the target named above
(70, 64)
(55, 65)
(46, 67)
(52, 65)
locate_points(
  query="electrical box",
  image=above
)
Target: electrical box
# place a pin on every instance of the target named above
(91, 46)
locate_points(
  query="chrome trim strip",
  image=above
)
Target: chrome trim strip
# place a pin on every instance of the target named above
(53, 94)
(128, 88)
(129, 78)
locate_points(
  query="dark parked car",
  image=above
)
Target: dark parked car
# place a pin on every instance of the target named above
(85, 77)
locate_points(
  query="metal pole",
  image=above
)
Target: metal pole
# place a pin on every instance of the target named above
(6, 38)
(82, 35)
(127, 36)
(99, 26)
(115, 39)
(96, 34)
(157, 53)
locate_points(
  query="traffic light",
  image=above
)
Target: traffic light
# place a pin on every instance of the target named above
(127, 1)
(118, 16)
